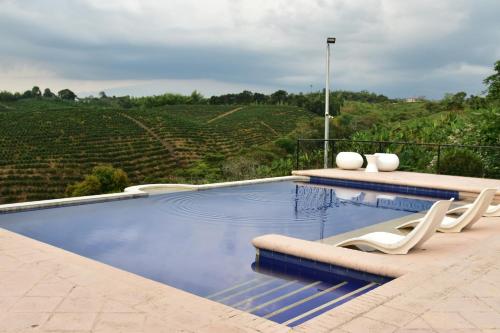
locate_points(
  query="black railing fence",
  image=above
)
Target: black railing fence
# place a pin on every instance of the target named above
(413, 156)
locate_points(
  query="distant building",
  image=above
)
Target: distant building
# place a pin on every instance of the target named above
(415, 99)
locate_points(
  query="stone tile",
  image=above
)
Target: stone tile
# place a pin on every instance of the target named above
(418, 324)
(7, 302)
(481, 289)
(84, 292)
(158, 325)
(11, 290)
(363, 324)
(34, 257)
(12, 322)
(483, 320)
(115, 306)
(195, 320)
(492, 302)
(410, 304)
(446, 321)
(391, 316)
(8, 263)
(460, 304)
(36, 304)
(70, 322)
(224, 328)
(120, 322)
(51, 289)
(80, 304)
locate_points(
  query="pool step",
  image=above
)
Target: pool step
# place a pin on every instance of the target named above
(328, 305)
(290, 302)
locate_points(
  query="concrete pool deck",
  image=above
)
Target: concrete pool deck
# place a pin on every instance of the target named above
(467, 187)
(452, 286)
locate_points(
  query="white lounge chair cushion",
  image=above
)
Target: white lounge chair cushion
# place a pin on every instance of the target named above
(491, 211)
(385, 238)
(448, 221)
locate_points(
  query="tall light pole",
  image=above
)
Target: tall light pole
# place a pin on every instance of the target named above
(329, 40)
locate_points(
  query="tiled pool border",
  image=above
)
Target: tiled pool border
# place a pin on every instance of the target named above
(321, 266)
(411, 190)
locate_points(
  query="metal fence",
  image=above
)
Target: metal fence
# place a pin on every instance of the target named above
(413, 156)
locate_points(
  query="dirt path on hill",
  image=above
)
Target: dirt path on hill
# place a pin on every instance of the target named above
(270, 128)
(167, 145)
(225, 114)
(6, 107)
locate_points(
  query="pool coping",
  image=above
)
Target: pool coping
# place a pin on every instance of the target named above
(137, 191)
(467, 187)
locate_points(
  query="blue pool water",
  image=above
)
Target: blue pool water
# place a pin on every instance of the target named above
(200, 241)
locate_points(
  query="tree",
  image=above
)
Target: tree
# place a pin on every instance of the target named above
(244, 97)
(27, 94)
(454, 101)
(279, 97)
(196, 97)
(48, 94)
(493, 83)
(6, 96)
(259, 98)
(36, 92)
(476, 102)
(102, 95)
(104, 179)
(66, 94)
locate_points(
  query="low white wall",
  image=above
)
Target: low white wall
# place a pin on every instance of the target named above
(159, 188)
(136, 192)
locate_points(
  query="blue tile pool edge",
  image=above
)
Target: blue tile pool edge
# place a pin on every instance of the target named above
(321, 266)
(382, 187)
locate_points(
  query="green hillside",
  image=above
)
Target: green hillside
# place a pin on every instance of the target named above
(47, 145)
(480, 127)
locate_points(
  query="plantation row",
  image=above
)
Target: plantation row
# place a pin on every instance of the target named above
(45, 147)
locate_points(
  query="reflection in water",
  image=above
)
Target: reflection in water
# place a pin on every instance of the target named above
(321, 198)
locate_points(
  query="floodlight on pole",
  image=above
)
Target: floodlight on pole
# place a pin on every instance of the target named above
(329, 40)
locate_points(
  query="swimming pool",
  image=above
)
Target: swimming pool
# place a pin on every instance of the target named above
(200, 241)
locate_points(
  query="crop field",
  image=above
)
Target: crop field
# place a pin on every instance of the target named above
(44, 147)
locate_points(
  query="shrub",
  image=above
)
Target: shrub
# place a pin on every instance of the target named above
(461, 163)
(104, 179)
(287, 144)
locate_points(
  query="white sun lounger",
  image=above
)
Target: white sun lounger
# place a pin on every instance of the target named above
(467, 219)
(491, 211)
(399, 244)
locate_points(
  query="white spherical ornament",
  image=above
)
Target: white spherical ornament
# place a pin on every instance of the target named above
(349, 160)
(387, 162)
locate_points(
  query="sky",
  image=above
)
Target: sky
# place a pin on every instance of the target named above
(145, 47)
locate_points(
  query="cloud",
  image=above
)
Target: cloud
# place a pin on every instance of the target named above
(399, 48)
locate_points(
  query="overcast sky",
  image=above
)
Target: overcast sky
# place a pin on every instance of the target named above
(141, 47)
